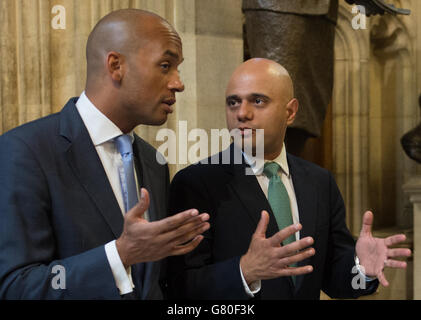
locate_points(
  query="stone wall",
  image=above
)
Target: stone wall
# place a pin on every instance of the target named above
(377, 83)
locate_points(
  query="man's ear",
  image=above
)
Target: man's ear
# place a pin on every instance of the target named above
(292, 109)
(115, 66)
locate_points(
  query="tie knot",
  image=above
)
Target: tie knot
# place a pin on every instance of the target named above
(271, 169)
(124, 144)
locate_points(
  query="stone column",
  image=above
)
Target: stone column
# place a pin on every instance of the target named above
(211, 32)
(413, 188)
(350, 104)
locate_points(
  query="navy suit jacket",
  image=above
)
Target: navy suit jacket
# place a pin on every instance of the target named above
(57, 207)
(234, 201)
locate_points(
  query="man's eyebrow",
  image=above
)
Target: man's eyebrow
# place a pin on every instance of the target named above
(232, 97)
(249, 96)
(259, 95)
(173, 54)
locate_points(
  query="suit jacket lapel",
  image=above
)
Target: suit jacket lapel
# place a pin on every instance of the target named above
(247, 189)
(85, 163)
(145, 178)
(249, 192)
(306, 195)
(147, 181)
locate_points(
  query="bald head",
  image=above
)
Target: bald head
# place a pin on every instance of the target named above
(132, 76)
(260, 95)
(123, 31)
(269, 72)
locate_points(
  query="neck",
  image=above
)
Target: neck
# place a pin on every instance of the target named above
(272, 154)
(108, 105)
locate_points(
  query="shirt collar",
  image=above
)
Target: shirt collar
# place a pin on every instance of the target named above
(100, 128)
(281, 159)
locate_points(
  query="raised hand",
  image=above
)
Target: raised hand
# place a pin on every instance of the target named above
(374, 253)
(143, 241)
(267, 259)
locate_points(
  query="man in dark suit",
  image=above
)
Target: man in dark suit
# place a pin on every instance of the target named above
(70, 226)
(259, 245)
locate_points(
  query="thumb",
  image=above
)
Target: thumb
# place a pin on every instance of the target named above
(263, 224)
(367, 224)
(140, 208)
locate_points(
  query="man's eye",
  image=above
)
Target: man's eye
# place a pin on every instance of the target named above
(259, 101)
(165, 66)
(231, 103)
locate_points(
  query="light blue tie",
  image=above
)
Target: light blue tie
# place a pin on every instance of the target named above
(127, 179)
(129, 190)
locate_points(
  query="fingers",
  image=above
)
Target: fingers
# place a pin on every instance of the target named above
(280, 236)
(382, 279)
(295, 271)
(185, 227)
(263, 224)
(390, 263)
(175, 221)
(395, 264)
(294, 247)
(395, 239)
(297, 257)
(367, 223)
(140, 208)
(186, 248)
(393, 253)
(187, 232)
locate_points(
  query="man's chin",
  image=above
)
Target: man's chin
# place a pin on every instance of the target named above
(157, 121)
(162, 121)
(245, 145)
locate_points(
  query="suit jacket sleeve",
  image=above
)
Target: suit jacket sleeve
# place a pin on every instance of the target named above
(28, 240)
(195, 275)
(340, 263)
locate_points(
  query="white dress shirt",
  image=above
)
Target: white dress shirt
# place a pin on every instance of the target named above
(102, 132)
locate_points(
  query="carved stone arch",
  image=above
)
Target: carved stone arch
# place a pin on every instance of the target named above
(393, 44)
(369, 163)
(350, 116)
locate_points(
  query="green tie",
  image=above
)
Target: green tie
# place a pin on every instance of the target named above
(279, 202)
(278, 199)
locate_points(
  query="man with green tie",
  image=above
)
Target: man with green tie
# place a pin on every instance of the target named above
(280, 232)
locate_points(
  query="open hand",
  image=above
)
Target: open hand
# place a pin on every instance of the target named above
(143, 241)
(374, 253)
(267, 259)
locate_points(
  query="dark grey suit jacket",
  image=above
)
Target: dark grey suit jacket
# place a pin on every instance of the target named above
(57, 207)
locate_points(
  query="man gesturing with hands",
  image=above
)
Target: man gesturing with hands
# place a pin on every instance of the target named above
(143, 241)
(280, 232)
(267, 259)
(81, 193)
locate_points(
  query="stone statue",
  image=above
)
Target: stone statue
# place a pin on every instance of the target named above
(411, 141)
(374, 7)
(300, 35)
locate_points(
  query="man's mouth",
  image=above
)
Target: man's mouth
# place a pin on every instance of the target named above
(169, 103)
(246, 131)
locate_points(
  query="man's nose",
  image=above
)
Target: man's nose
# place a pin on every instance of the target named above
(244, 112)
(176, 84)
